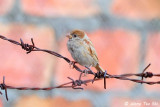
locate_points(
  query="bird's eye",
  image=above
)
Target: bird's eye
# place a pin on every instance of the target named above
(74, 35)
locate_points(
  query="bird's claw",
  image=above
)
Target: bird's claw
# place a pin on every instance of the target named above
(72, 63)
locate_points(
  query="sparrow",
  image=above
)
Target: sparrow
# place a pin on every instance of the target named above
(82, 50)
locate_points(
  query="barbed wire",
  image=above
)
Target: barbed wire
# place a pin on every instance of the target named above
(76, 84)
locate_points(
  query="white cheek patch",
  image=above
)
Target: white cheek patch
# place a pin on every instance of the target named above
(85, 36)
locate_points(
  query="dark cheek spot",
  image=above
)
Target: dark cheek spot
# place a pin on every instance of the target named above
(72, 50)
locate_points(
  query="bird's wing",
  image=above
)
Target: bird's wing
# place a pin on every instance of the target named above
(91, 49)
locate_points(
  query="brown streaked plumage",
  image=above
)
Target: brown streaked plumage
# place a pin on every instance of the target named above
(82, 49)
(91, 49)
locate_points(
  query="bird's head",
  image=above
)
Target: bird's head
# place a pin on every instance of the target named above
(76, 35)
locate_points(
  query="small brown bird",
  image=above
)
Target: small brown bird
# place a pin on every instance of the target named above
(82, 50)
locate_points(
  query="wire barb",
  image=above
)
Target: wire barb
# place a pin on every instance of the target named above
(146, 74)
(76, 83)
(105, 73)
(27, 47)
(3, 87)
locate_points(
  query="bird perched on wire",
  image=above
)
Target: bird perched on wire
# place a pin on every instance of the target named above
(82, 50)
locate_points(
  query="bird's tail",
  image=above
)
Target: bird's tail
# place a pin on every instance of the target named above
(99, 68)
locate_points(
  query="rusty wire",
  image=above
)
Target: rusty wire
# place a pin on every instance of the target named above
(76, 84)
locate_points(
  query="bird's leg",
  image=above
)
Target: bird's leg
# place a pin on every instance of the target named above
(72, 63)
(87, 70)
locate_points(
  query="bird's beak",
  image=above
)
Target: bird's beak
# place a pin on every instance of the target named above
(69, 36)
